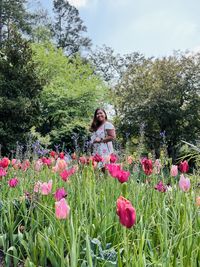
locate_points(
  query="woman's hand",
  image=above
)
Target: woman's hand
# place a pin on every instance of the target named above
(97, 140)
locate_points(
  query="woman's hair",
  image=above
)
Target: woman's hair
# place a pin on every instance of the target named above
(95, 123)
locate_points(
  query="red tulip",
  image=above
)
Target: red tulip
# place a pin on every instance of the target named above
(4, 162)
(147, 166)
(183, 166)
(98, 158)
(126, 212)
(123, 176)
(62, 155)
(113, 158)
(53, 154)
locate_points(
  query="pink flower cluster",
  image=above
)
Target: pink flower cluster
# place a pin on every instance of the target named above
(116, 172)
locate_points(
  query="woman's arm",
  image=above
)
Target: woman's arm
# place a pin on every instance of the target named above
(111, 135)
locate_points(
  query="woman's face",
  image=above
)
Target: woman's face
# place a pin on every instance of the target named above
(101, 116)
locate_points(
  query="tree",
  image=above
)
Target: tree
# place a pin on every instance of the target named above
(69, 29)
(19, 92)
(164, 94)
(13, 14)
(71, 94)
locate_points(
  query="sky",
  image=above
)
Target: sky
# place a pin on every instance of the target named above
(152, 27)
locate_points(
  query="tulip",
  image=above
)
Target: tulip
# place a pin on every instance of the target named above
(130, 160)
(4, 162)
(60, 193)
(25, 165)
(161, 187)
(62, 209)
(13, 182)
(113, 158)
(53, 154)
(157, 166)
(126, 212)
(83, 160)
(147, 166)
(2, 172)
(45, 188)
(62, 155)
(46, 161)
(183, 166)
(38, 165)
(37, 186)
(60, 165)
(198, 201)
(184, 183)
(98, 158)
(174, 170)
(123, 176)
(67, 173)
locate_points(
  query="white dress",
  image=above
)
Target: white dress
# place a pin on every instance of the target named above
(103, 149)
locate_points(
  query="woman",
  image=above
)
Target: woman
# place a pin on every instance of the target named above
(103, 134)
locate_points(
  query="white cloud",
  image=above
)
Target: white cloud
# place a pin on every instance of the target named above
(78, 3)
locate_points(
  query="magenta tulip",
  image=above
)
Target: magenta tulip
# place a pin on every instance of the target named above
(13, 182)
(126, 212)
(60, 193)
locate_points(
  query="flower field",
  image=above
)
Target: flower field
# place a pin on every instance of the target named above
(66, 211)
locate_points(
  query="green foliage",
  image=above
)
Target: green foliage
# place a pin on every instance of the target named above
(71, 94)
(69, 29)
(13, 14)
(19, 92)
(166, 232)
(164, 95)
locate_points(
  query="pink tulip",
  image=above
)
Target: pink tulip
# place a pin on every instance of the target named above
(60, 193)
(2, 172)
(13, 182)
(83, 160)
(61, 165)
(25, 165)
(46, 161)
(62, 209)
(38, 165)
(130, 160)
(184, 183)
(126, 212)
(157, 166)
(46, 188)
(37, 186)
(67, 173)
(174, 171)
